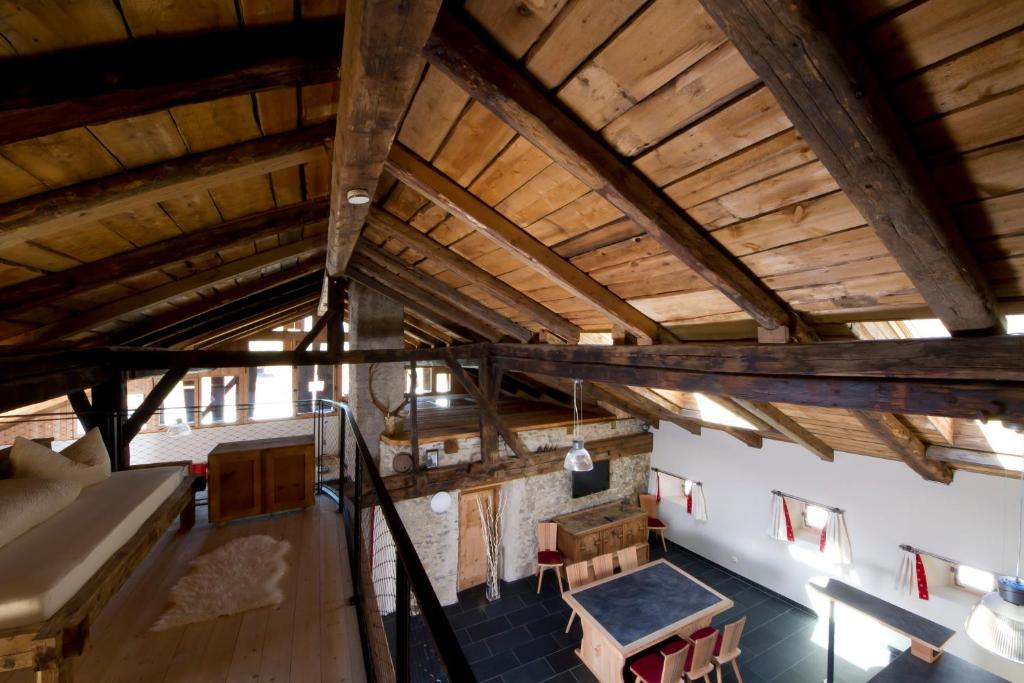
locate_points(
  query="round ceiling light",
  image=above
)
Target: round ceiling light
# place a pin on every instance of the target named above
(358, 196)
(441, 502)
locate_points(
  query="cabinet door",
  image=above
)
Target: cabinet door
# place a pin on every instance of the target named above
(590, 546)
(611, 539)
(288, 477)
(236, 485)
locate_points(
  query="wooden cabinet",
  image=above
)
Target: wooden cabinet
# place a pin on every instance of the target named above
(248, 478)
(604, 529)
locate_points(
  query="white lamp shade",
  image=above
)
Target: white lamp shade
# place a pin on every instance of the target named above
(178, 429)
(998, 626)
(578, 458)
(440, 502)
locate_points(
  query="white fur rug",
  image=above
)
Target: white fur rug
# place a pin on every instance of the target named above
(241, 575)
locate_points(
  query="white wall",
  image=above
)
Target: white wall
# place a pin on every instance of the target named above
(974, 520)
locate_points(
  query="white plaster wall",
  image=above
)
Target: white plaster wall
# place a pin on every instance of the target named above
(974, 520)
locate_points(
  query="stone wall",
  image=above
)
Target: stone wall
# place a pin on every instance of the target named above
(436, 538)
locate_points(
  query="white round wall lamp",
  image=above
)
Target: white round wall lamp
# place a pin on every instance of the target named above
(358, 196)
(441, 502)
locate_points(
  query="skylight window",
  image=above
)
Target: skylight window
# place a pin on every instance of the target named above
(977, 580)
(815, 517)
(716, 414)
(926, 329)
(1015, 324)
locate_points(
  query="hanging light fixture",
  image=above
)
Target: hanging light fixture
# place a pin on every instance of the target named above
(997, 622)
(578, 458)
(179, 428)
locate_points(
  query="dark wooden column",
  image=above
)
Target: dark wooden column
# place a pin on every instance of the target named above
(488, 430)
(336, 312)
(110, 401)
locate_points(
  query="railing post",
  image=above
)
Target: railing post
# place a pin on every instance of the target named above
(402, 624)
(341, 460)
(357, 505)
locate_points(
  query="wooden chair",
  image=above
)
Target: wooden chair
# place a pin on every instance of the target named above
(727, 648)
(577, 575)
(698, 662)
(628, 558)
(659, 667)
(548, 556)
(604, 566)
(649, 504)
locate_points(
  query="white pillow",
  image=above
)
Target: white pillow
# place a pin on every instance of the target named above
(25, 503)
(84, 461)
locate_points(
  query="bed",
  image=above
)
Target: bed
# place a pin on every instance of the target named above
(56, 578)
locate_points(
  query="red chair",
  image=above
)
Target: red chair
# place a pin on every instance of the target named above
(701, 648)
(658, 667)
(649, 504)
(547, 556)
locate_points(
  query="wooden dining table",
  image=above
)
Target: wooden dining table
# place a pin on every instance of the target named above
(627, 613)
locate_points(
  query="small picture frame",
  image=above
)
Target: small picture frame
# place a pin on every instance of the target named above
(430, 459)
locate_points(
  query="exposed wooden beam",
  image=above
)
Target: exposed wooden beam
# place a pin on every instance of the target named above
(281, 314)
(336, 291)
(68, 283)
(459, 202)
(805, 54)
(433, 250)
(902, 441)
(25, 391)
(110, 401)
(490, 78)
(314, 332)
(453, 297)
(134, 424)
(83, 409)
(789, 427)
(489, 409)
(380, 68)
(86, 86)
(92, 200)
(956, 457)
(93, 318)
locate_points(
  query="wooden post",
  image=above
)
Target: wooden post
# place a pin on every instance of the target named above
(336, 311)
(488, 430)
(414, 427)
(110, 400)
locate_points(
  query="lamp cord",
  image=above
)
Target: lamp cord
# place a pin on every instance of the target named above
(576, 409)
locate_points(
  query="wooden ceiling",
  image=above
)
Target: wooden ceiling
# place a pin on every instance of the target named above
(559, 167)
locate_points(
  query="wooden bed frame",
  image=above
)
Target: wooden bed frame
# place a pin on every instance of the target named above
(48, 646)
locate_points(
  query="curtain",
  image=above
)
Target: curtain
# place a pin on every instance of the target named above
(911, 577)
(835, 540)
(657, 485)
(696, 505)
(781, 526)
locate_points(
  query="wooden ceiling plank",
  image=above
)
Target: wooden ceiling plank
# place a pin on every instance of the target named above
(87, 319)
(462, 204)
(58, 91)
(899, 437)
(789, 427)
(804, 54)
(380, 67)
(80, 279)
(279, 315)
(435, 251)
(459, 52)
(50, 212)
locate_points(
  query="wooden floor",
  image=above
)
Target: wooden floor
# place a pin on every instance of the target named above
(312, 636)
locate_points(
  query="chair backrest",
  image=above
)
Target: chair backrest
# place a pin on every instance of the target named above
(547, 536)
(702, 650)
(731, 638)
(649, 504)
(672, 667)
(628, 558)
(604, 565)
(578, 574)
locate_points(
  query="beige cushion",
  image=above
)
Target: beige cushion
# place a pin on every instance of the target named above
(84, 461)
(25, 503)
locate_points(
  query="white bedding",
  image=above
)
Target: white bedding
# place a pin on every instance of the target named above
(42, 569)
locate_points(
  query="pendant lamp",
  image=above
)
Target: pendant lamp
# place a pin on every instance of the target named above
(997, 622)
(179, 429)
(578, 458)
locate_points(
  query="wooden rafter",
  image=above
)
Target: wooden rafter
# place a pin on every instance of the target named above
(98, 316)
(282, 314)
(83, 409)
(49, 212)
(433, 250)
(87, 86)
(902, 440)
(489, 409)
(74, 281)
(456, 200)
(803, 52)
(789, 427)
(380, 67)
(134, 424)
(492, 80)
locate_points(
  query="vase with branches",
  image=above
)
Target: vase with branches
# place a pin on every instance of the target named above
(490, 523)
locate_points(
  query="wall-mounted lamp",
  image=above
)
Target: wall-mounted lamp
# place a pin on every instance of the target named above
(358, 196)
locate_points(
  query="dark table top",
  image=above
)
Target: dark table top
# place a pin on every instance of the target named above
(642, 602)
(947, 669)
(906, 622)
(258, 444)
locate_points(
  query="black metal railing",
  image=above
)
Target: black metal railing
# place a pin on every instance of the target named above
(405, 632)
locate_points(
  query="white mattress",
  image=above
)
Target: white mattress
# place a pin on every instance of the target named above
(42, 569)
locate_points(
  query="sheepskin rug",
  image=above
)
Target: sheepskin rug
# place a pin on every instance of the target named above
(241, 575)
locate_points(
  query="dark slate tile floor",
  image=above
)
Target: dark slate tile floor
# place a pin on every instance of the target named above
(520, 638)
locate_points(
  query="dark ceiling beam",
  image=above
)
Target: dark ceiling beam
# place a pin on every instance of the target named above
(789, 427)
(467, 305)
(805, 54)
(494, 81)
(496, 287)
(49, 212)
(87, 86)
(69, 283)
(269, 319)
(85, 320)
(27, 391)
(134, 424)
(895, 434)
(456, 200)
(380, 69)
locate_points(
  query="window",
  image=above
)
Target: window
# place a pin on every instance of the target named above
(977, 580)
(815, 517)
(442, 382)
(422, 381)
(180, 404)
(220, 400)
(272, 395)
(315, 381)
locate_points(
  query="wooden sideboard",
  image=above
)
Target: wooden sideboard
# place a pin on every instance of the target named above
(604, 529)
(249, 478)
